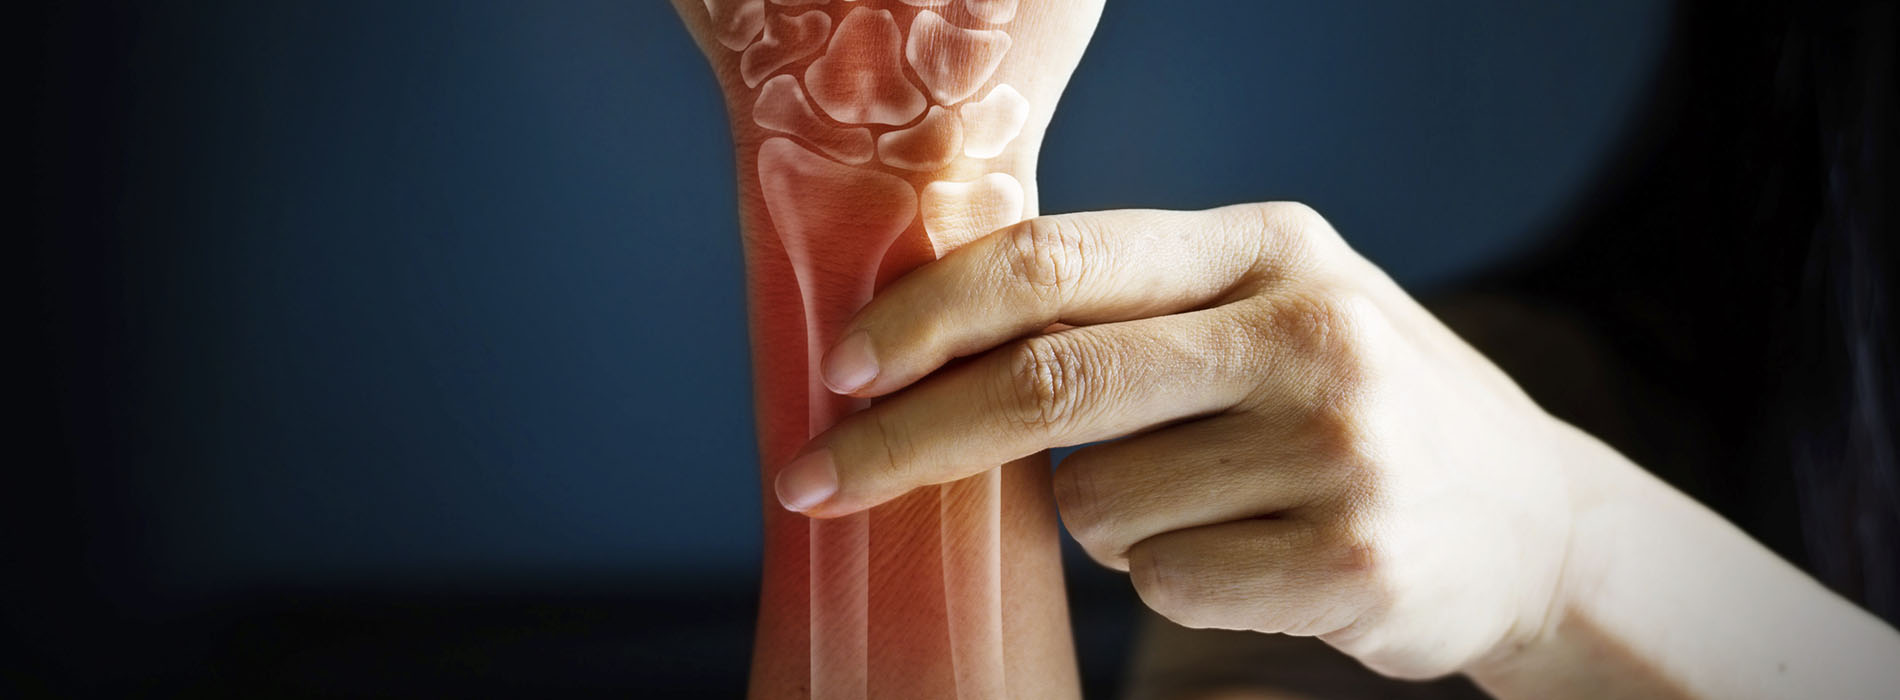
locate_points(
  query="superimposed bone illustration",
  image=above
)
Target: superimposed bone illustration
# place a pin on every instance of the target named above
(737, 22)
(971, 511)
(872, 154)
(839, 615)
(929, 145)
(956, 213)
(835, 222)
(782, 107)
(990, 124)
(953, 62)
(860, 78)
(992, 11)
(788, 38)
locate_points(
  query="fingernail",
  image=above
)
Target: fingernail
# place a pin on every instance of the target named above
(850, 365)
(807, 481)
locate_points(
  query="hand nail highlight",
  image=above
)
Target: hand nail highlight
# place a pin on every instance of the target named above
(850, 365)
(807, 481)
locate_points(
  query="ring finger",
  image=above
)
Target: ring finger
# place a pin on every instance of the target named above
(1217, 469)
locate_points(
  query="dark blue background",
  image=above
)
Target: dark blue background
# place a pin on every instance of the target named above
(432, 292)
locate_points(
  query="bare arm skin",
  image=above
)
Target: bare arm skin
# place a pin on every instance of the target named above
(872, 136)
(1306, 450)
(1661, 597)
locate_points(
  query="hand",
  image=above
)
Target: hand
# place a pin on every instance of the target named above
(1308, 450)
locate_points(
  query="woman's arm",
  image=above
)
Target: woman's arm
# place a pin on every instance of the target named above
(1661, 597)
(873, 136)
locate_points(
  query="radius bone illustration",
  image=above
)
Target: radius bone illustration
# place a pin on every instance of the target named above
(874, 136)
(782, 107)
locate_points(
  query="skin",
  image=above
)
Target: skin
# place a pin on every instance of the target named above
(1303, 449)
(946, 592)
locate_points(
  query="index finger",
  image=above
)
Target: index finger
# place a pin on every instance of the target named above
(1076, 269)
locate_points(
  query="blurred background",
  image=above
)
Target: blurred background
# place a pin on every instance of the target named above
(400, 347)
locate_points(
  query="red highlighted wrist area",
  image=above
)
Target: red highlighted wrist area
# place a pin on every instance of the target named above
(873, 139)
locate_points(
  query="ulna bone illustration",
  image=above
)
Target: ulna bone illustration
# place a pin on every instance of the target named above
(782, 107)
(953, 62)
(736, 22)
(990, 124)
(929, 145)
(787, 39)
(956, 213)
(860, 78)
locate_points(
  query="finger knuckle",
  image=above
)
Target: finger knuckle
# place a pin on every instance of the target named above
(1189, 590)
(1046, 381)
(1293, 214)
(1327, 348)
(1084, 514)
(1332, 327)
(1342, 346)
(1046, 254)
(1102, 550)
(1301, 223)
(895, 444)
(1322, 322)
(1290, 233)
(1165, 588)
(1075, 497)
(1353, 558)
(1358, 557)
(1339, 430)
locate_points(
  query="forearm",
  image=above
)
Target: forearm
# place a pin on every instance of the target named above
(1663, 598)
(911, 594)
(873, 137)
(954, 588)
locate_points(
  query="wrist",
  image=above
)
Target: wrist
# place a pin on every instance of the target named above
(1534, 657)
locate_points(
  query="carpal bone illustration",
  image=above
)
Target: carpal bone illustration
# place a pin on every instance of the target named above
(874, 136)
